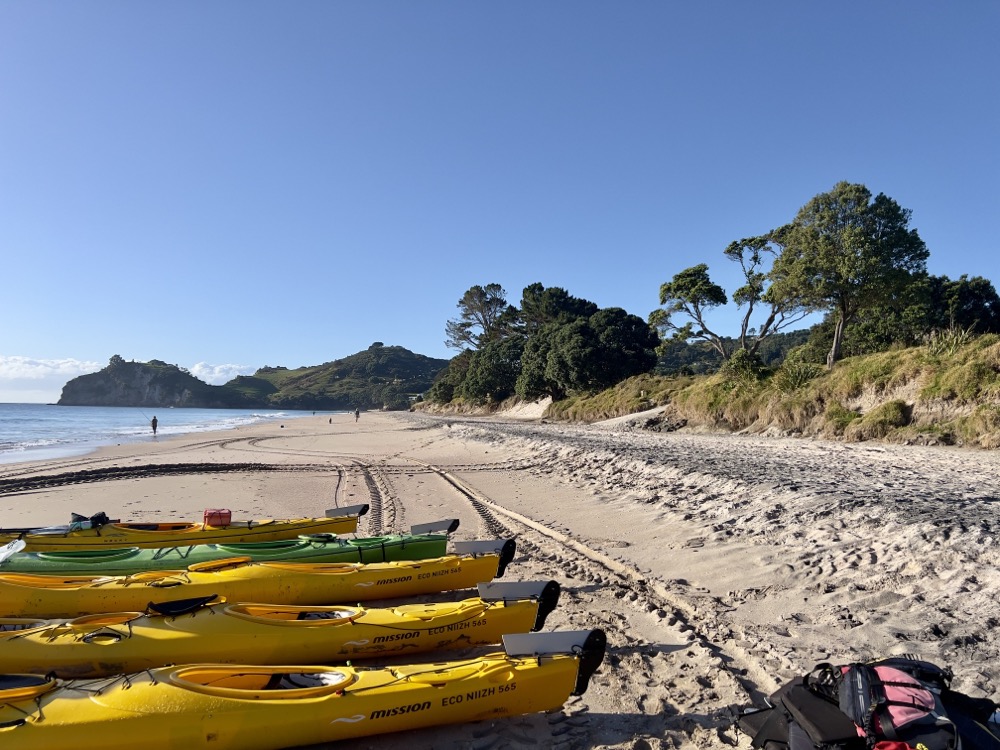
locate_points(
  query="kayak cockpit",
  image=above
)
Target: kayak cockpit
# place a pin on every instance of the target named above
(261, 683)
(276, 614)
(160, 528)
(20, 687)
(20, 624)
(86, 557)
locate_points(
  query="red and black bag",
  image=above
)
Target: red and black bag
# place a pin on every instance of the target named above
(894, 700)
(893, 704)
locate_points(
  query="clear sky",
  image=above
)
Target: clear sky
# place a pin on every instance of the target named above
(230, 184)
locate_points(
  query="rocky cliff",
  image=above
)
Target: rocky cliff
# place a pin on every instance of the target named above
(152, 384)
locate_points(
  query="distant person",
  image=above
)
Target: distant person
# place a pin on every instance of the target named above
(152, 423)
(357, 414)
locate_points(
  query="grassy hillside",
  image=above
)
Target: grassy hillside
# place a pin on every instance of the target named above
(379, 377)
(946, 392)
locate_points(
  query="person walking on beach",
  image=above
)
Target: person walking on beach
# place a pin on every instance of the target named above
(152, 423)
(357, 414)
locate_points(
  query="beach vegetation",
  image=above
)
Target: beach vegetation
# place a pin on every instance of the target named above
(947, 341)
(492, 371)
(691, 295)
(880, 421)
(906, 395)
(635, 394)
(484, 316)
(846, 252)
(585, 355)
(542, 305)
(789, 413)
(743, 372)
(930, 310)
(899, 354)
(981, 427)
(445, 386)
(795, 374)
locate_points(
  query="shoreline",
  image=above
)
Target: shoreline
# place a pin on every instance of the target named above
(73, 435)
(719, 565)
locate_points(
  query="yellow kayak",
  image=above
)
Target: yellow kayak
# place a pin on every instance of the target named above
(86, 535)
(240, 580)
(233, 707)
(108, 644)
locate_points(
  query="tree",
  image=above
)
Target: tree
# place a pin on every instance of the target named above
(540, 306)
(845, 253)
(967, 303)
(571, 359)
(531, 383)
(493, 370)
(783, 312)
(926, 304)
(484, 315)
(447, 382)
(627, 346)
(694, 294)
(586, 354)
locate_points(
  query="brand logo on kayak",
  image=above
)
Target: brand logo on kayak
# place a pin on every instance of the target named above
(350, 719)
(397, 710)
(401, 579)
(396, 637)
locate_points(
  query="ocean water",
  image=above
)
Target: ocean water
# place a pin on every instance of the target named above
(30, 432)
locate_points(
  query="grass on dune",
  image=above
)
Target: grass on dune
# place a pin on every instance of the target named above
(924, 393)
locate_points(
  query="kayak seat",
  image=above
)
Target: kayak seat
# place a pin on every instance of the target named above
(300, 680)
(326, 614)
(17, 624)
(181, 606)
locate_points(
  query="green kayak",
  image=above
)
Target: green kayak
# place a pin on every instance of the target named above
(423, 542)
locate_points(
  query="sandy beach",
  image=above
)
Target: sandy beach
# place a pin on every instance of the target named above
(718, 565)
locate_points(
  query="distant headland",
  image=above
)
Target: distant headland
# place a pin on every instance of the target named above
(381, 377)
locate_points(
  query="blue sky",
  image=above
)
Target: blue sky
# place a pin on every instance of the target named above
(228, 185)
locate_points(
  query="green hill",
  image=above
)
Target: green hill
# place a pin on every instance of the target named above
(382, 377)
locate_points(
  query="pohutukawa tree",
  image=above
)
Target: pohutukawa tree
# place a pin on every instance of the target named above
(693, 294)
(846, 252)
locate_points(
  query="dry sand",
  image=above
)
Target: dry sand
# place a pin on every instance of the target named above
(718, 565)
